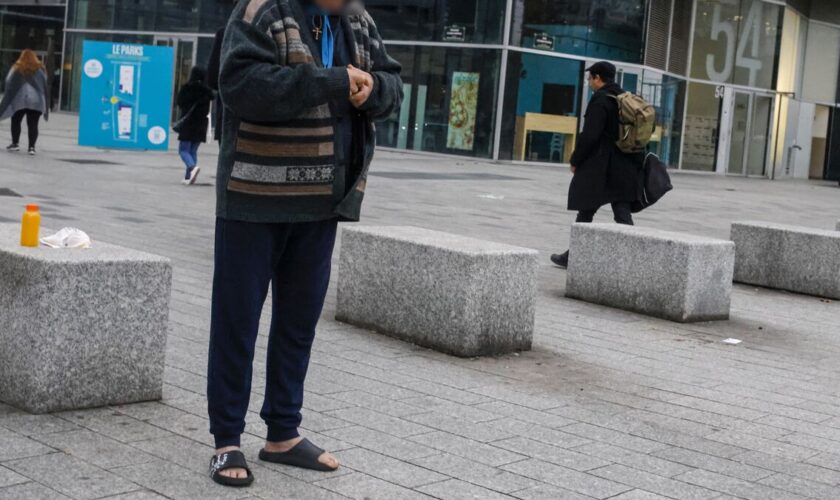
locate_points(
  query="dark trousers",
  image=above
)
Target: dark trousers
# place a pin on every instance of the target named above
(295, 260)
(32, 118)
(622, 212)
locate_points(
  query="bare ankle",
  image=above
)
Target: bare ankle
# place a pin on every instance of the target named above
(282, 446)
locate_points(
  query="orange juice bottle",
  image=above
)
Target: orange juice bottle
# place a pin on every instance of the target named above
(30, 227)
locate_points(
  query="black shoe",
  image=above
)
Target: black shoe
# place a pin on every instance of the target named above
(561, 260)
(12, 147)
(31, 151)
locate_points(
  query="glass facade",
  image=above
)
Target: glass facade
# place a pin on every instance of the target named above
(188, 16)
(470, 21)
(737, 42)
(600, 29)
(450, 101)
(39, 28)
(741, 87)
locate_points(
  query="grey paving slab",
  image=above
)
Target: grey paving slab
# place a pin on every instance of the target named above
(175, 482)
(734, 468)
(641, 461)
(388, 469)
(653, 483)
(525, 447)
(802, 487)
(30, 491)
(455, 489)
(488, 454)
(735, 487)
(385, 444)
(274, 483)
(363, 487)
(18, 446)
(556, 475)
(546, 492)
(601, 389)
(492, 478)
(641, 495)
(138, 495)
(35, 425)
(95, 448)
(9, 477)
(71, 476)
(114, 424)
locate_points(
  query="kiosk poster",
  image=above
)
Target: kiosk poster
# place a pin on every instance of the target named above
(126, 96)
(463, 106)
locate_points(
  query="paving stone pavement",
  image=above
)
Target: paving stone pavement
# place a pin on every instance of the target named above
(609, 404)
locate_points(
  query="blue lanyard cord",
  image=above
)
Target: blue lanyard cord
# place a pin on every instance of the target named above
(327, 44)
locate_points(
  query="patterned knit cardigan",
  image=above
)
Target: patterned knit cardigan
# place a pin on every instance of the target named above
(278, 161)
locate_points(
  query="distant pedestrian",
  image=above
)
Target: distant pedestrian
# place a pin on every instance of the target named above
(603, 174)
(302, 82)
(194, 100)
(27, 96)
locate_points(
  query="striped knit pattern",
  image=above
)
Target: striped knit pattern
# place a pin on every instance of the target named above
(294, 158)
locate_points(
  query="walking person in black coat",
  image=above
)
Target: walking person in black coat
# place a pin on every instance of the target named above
(603, 174)
(193, 101)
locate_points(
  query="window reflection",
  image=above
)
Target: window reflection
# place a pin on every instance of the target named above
(192, 16)
(542, 108)
(450, 101)
(472, 21)
(601, 29)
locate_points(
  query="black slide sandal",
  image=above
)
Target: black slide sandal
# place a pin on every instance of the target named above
(230, 460)
(304, 455)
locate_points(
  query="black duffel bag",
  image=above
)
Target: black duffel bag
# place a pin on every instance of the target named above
(655, 180)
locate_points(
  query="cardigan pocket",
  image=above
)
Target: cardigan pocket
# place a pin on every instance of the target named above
(293, 158)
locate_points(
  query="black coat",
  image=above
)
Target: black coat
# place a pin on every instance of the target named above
(604, 174)
(213, 68)
(195, 96)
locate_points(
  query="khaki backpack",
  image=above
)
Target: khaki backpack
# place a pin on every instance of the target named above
(636, 122)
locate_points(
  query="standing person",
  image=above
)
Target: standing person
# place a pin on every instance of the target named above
(603, 174)
(194, 100)
(27, 97)
(302, 82)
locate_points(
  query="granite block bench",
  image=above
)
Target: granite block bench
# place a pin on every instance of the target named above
(454, 294)
(793, 258)
(675, 276)
(80, 328)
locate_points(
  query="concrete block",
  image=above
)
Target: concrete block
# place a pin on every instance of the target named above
(794, 258)
(458, 295)
(80, 328)
(674, 276)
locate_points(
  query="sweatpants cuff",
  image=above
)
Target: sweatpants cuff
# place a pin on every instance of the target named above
(276, 434)
(225, 441)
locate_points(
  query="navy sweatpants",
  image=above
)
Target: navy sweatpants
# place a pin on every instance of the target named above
(295, 260)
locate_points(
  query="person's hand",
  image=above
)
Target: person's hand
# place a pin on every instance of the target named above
(573, 169)
(361, 86)
(357, 80)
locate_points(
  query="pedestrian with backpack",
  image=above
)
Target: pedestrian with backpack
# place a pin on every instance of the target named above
(609, 153)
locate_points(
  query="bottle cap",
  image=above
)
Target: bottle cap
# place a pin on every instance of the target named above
(32, 208)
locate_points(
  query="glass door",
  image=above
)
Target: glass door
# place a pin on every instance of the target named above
(758, 142)
(185, 58)
(749, 139)
(739, 133)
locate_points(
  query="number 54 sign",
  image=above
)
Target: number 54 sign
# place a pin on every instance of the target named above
(742, 49)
